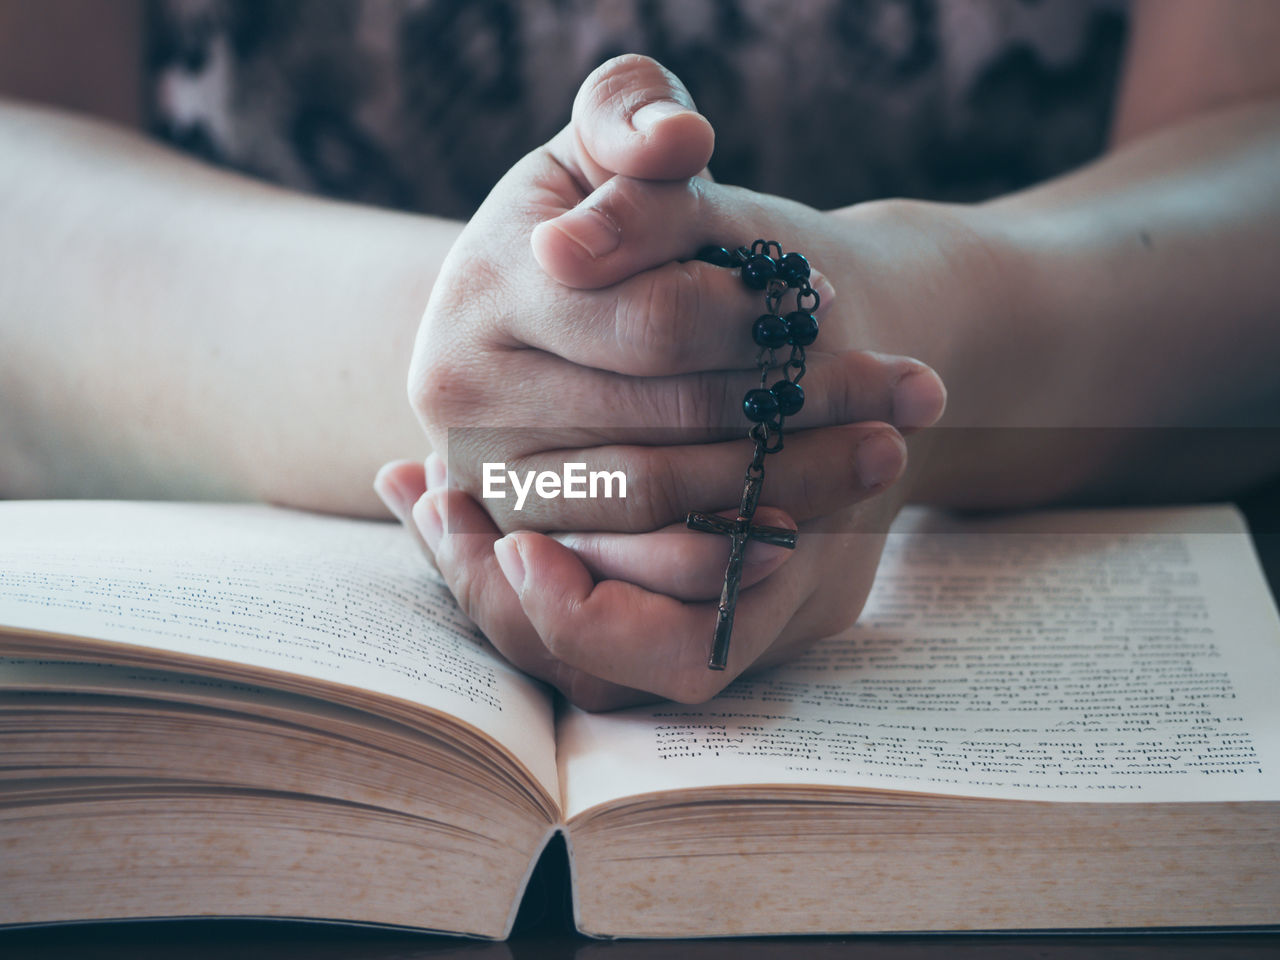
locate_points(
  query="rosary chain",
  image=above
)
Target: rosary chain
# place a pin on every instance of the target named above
(765, 266)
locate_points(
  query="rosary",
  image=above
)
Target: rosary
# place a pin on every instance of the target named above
(767, 407)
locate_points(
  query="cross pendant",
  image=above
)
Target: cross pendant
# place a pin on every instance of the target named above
(738, 531)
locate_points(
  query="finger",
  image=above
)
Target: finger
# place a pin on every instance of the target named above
(675, 560)
(435, 471)
(641, 488)
(627, 635)
(626, 225)
(593, 408)
(620, 229)
(471, 571)
(634, 117)
(676, 318)
(398, 484)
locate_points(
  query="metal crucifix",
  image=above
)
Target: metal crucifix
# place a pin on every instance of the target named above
(766, 406)
(739, 532)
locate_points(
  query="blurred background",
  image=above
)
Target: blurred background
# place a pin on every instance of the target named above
(423, 104)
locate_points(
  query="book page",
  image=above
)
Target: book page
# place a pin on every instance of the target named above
(347, 603)
(1094, 655)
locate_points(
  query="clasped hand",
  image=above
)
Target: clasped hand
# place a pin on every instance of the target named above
(568, 325)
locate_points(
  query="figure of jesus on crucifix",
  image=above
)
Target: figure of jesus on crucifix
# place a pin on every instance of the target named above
(739, 532)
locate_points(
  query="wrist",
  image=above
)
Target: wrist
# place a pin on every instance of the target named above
(943, 283)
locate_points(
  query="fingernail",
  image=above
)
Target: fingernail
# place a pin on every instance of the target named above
(651, 114)
(509, 560)
(879, 459)
(918, 400)
(823, 288)
(589, 229)
(427, 517)
(390, 494)
(437, 474)
(760, 554)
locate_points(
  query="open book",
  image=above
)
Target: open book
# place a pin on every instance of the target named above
(1049, 721)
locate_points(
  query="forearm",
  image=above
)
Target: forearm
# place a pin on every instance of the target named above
(169, 330)
(1126, 321)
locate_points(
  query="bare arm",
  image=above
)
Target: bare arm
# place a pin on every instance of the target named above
(170, 330)
(1137, 293)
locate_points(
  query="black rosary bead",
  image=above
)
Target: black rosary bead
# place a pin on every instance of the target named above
(790, 397)
(769, 330)
(802, 328)
(759, 269)
(760, 405)
(718, 256)
(764, 266)
(793, 269)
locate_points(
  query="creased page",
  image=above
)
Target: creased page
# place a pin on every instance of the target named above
(340, 601)
(1094, 655)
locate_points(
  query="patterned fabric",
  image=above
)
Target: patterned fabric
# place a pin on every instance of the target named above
(424, 104)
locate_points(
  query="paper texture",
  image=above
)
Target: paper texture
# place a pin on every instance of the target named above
(339, 601)
(1091, 656)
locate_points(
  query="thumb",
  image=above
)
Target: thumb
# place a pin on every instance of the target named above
(633, 117)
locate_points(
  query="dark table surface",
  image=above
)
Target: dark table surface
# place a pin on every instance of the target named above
(247, 940)
(544, 928)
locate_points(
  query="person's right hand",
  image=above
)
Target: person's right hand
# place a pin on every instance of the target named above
(662, 358)
(642, 397)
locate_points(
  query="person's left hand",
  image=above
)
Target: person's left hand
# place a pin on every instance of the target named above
(515, 366)
(617, 619)
(587, 612)
(612, 634)
(613, 618)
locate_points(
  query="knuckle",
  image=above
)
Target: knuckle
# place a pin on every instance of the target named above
(655, 494)
(666, 496)
(823, 474)
(464, 589)
(697, 403)
(842, 387)
(442, 390)
(832, 394)
(809, 492)
(506, 520)
(625, 200)
(626, 75)
(652, 320)
(469, 276)
(444, 393)
(462, 580)
(562, 644)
